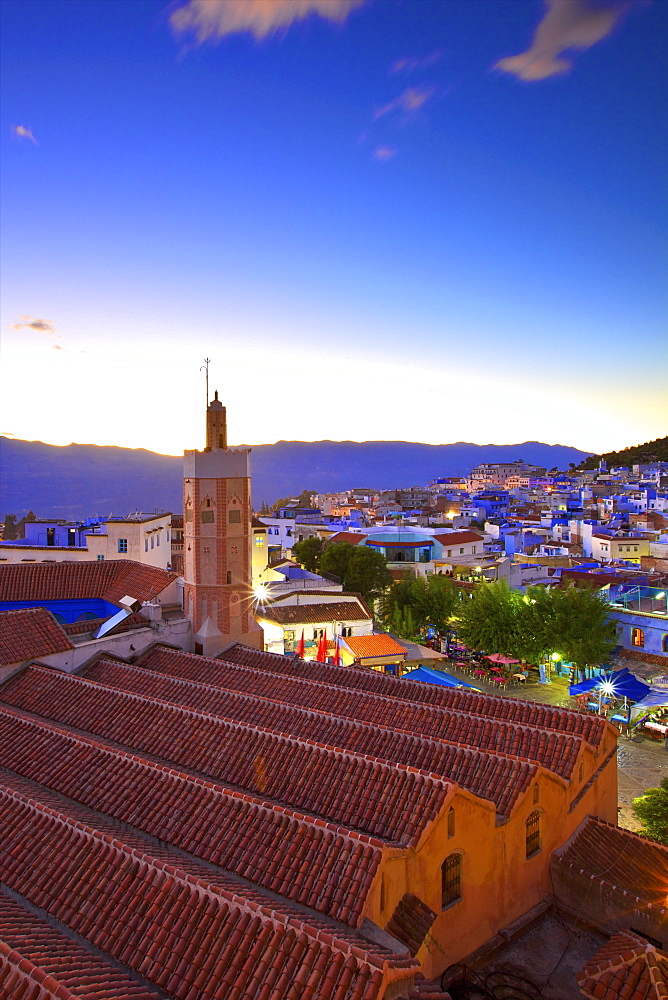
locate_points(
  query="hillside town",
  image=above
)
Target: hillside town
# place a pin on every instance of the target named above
(245, 776)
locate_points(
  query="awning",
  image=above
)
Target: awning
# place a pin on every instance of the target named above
(622, 685)
(429, 676)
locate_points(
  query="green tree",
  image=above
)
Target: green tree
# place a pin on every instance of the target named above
(358, 568)
(431, 600)
(10, 530)
(652, 811)
(303, 500)
(490, 620)
(580, 627)
(308, 553)
(335, 559)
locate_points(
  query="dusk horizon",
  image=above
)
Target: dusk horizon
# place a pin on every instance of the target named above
(379, 221)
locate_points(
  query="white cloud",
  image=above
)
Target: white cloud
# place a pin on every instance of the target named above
(38, 325)
(21, 132)
(210, 20)
(567, 25)
(411, 100)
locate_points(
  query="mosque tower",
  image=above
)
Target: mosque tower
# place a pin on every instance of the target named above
(217, 593)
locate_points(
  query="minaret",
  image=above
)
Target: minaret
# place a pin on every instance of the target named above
(217, 540)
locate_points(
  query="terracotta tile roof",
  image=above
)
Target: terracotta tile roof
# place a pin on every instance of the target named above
(363, 646)
(636, 654)
(500, 779)
(169, 918)
(627, 967)
(388, 802)
(619, 859)
(458, 538)
(351, 537)
(305, 614)
(108, 580)
(28, 634)
(591, 728)
(241, 834)
(411, 922)
(528, 738)
(34, 952)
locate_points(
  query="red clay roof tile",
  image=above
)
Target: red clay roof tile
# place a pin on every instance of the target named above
(28, 634)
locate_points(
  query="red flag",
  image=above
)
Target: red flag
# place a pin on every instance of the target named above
(300, 647)
(322, 648)
(337, 652)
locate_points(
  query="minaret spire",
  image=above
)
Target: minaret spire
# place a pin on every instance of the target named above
(216, 425)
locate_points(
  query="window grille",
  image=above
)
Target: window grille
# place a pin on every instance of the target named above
(451, 880)
(533, 833)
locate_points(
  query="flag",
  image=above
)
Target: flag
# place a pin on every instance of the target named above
(300, 647)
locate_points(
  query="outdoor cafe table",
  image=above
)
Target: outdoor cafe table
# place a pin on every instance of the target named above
(656, 727)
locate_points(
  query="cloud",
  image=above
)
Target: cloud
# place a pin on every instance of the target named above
(210, 20)
(567, 25)
(384, 153)
(410, 101)
(21, 132)
(56, 347)
(38, 325)
(409, 63)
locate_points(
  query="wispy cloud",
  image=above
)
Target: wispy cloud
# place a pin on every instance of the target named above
(210, 20)
(407, 64)
(21, 132)
(412, 99)
(567, 25)
(57, 347)
(384, 153)
(38, 325)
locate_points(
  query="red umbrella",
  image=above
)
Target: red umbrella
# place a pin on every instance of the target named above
(322, 648)
(337, 652)
(300, 647)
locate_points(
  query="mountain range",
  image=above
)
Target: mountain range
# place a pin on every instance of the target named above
(82, 480)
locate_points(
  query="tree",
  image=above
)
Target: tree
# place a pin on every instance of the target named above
(652, 811)
(308, 553)
(579, 626)
(30, 516)
(303, 500)
(431, 600)
(335, 559)
(490, 621)
(359, 568)
(10, 530)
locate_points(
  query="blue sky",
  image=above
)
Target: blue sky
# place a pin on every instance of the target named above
(391, 219)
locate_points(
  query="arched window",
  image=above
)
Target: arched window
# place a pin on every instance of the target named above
(451, 822)
(228, 578)
(451, 880)
(637, 637)
(533, 833)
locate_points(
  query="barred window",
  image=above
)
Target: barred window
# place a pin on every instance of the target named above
(234, 517)
(533, 833)
(207, 517)
(451, 880)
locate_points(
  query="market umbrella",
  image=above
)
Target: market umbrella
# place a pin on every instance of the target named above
(300, 647)
(500, 658)
(322, 648)
(619, 683)
(429, 676)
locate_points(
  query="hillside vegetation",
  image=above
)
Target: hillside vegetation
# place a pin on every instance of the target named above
(639, 454)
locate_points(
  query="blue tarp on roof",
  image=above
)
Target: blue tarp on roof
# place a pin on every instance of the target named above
(429, 676)
(624, 685)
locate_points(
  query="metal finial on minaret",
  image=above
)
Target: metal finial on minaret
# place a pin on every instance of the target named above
(205, 369)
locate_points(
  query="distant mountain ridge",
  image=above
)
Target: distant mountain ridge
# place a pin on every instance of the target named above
(82, 480)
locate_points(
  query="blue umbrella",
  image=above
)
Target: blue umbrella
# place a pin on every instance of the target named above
(429, 676)
(620, 683)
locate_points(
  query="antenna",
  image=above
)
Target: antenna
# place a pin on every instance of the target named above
(205, 369)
